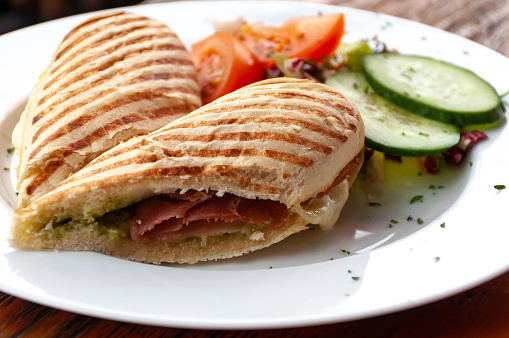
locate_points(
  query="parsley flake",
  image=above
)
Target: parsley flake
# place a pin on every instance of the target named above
(420, 221)
(356, 277)
(409, 218)
(374, 204)
(416, 198)
(499, 187)
(345, 251)
(442, 225)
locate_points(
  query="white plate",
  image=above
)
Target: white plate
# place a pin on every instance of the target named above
(306, 279)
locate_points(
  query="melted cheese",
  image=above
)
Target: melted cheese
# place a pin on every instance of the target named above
(325, 211)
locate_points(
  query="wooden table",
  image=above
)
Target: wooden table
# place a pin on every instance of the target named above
(480, 312)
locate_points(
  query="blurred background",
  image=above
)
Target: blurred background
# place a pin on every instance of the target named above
(15, 14)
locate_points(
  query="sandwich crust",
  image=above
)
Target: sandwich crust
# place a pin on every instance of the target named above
(114, 76)
(283, 139)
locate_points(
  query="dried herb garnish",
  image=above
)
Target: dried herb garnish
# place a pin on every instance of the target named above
(416, 198)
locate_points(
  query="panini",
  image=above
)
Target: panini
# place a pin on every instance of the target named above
(236, 175)
(114, 76)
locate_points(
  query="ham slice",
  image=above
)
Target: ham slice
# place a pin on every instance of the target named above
(200, 214)
(155, 210)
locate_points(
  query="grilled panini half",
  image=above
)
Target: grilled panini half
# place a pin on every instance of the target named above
(236, 175)
(114, 76)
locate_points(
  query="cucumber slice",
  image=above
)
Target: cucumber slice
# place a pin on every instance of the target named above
(390, 128)
(433, 88)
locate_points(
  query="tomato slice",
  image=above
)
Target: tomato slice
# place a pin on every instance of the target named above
(315, 37)
(310, 38)
(224, 64)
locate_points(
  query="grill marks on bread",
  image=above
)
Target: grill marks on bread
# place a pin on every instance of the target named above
(249, 136)
(82, 120)
(286, 100)
(110, 37)
(91, 21)
(98, 82)
(89, 139)
(115, 76)
(246, 128)
(277, 120)
(101, 54)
